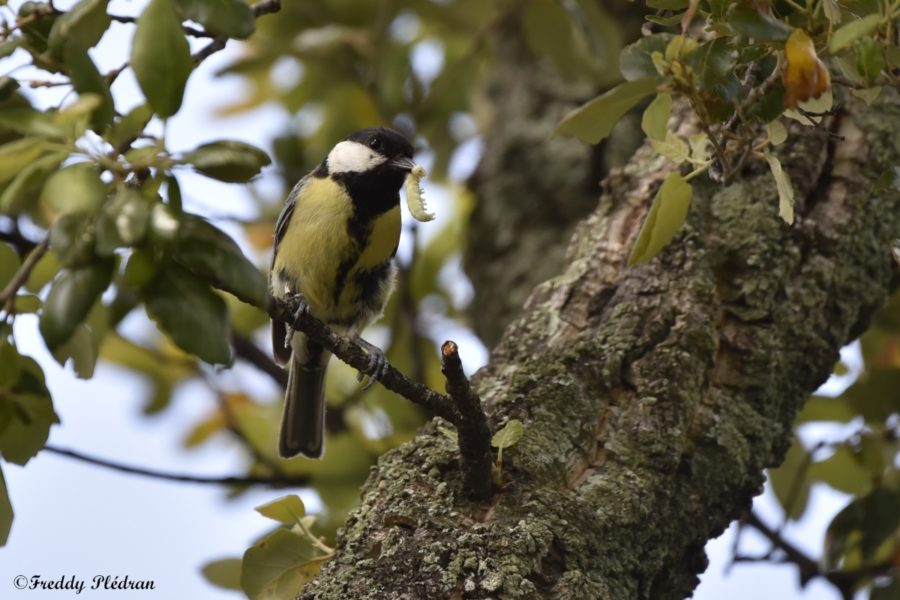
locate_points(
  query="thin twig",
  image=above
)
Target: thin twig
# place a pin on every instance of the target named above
(473, 430)
(21, 276)
(188, 30)
(272, 481)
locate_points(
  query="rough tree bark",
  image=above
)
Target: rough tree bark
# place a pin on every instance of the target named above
(652, 397)
(533, 186)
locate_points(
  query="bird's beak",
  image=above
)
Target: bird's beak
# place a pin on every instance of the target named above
(403, 163)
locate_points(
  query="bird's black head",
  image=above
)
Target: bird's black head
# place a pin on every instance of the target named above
(389, 143)
(372, 165)
(377, 150)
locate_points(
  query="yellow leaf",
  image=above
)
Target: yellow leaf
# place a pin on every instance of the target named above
(804, 76)
(777, 132)
(674, 148)
(784, 187)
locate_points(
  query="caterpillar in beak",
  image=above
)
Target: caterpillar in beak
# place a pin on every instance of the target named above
(414, 198)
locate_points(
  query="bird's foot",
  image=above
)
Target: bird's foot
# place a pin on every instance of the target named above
(377, 363)
(302, 311)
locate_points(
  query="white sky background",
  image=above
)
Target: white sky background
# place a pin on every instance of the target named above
(81, 520)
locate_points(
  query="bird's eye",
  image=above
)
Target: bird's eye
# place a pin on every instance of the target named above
(375, 143)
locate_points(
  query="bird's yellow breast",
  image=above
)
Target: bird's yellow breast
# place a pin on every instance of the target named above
(323, 258)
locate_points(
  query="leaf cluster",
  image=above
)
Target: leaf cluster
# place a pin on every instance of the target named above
(742, 69)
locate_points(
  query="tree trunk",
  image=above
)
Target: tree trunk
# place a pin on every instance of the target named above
(533, 186)
(652, 397)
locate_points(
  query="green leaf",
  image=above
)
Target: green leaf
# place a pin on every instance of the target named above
(6, 511)
(843, 472)
(128, 127)
(28, 121)
(656, 118)
(508, 435)
(193, 315)
(791, 481)
(161, 57)
(9, 366)
(37, 32)
(636, 60)
(224, 573)
(43, 272)
(74, 189)
(713, 63)
(770, 106)
(72, 239)
(752, 23)
(86, 79)
(15, 156)
(784, 187)
(229, 18)
(8, 85)
(27, 427)
(286, 509)
(80, 348)
(278, 566)
(211, 254)
(80, 27)
(227, 160)
(139, 270)
(669, 209)
(10, 45)
(173, 194)
(122, 222)
(593, 122)
(852, 31)
(71, 297)
(9, 264)
(869, 59)
(24, 189)
(874, 518)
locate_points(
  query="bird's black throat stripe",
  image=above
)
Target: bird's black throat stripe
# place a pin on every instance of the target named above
(373, 193)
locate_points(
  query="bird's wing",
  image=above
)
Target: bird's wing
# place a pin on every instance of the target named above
(287, 212)
(280, 349)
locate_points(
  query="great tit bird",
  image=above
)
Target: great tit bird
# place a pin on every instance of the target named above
(335, 241)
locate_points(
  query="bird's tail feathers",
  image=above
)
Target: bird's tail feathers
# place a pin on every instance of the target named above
(303, 421)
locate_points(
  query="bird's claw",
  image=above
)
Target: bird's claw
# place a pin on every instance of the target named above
(377, 364)
(302, 311)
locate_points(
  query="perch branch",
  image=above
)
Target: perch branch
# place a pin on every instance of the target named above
(462, 408)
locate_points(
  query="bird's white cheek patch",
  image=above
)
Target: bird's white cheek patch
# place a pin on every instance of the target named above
(352, 157)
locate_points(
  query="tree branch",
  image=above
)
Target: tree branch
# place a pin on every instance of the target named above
(245, 349)
(807, 567)
(12, 288)
(271, 481)
(474, 433)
